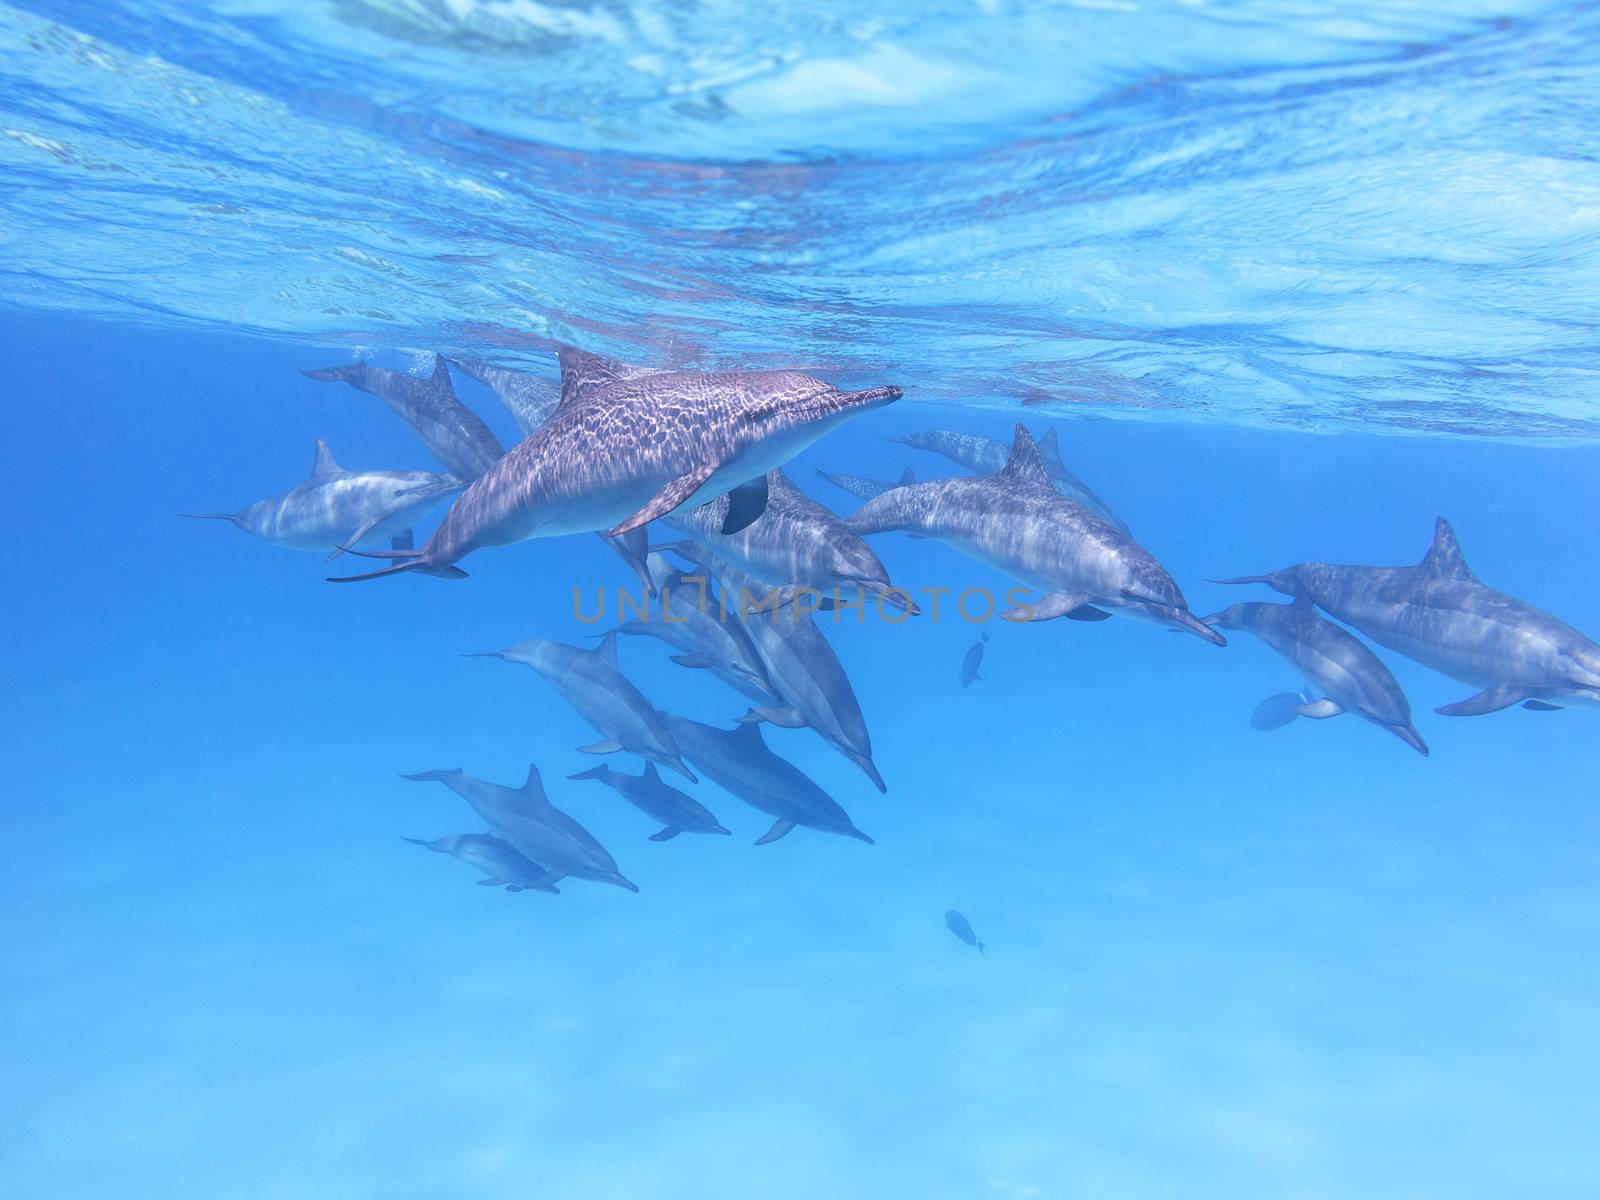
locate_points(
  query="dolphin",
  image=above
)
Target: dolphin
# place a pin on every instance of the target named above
(690, 619)
(962, 928)
(1439, 614)
(973, 660)
(651, 795)
(333, 508)
(535, 828)
(865, 489)
(497, 858)
(1017, 523)
(622, 450)
(1350, 677)
(986, 456)
(795, 542)
(738, 761)
(1279, 709)
(529, 398)
(800, 665)
(592, 683)
(454, 433)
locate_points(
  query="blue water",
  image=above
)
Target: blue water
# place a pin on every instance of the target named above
(1228, 250)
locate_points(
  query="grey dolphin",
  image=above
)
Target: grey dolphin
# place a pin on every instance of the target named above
(654, 797)
(962, 928)
(738, 761)
(1440, 615)
(796, 542)
(332, 507)
(1017, 523)
(799, 663)
(454, 433)
(530, 398)
(689, 618)
(973, 661)
(535, 828)
(502, 863)
(986, 456)
(1350, 677)
(592, 683)
(622, 451)
(865, 489)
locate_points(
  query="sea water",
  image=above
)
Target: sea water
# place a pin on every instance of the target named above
(1229, 252)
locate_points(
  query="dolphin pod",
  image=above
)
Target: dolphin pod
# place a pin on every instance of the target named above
(623, 449)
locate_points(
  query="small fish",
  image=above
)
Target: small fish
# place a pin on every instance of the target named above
(962, 928)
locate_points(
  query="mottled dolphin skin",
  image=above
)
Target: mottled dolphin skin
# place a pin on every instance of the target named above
(799, 664)
(529, 398)
(592, 683)
(986, 456)
(654, 797)
(454, 433)
(333, 507)
(536, 828)
(688, 617)
(1350, 677)
(622, 451)
(738, 761)
(962, 928)
(795, 541)
(1017, 523)
(1440, 615)
(497, 858)
(973, 661)
(865, 489)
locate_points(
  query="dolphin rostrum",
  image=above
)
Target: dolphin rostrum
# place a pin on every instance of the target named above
(688, 617)
(592, 683)
(623, 450)
(536, 828)
(1440, 615)
(973, 661)
(799, 664)
(333, 507)
(738, 761)
(502, 863)
(795, 542)
(865, 489)
(454, 433)
(986, 456)
(962, 928)
(1350, 677)
(654, 797)
(1017, 523)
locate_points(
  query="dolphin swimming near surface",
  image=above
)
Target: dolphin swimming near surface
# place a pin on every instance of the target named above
(795, 542)
(689, 619)
(528, 397)
(1439, 614)
(1017, 523)
(625, 449)
(592, 683)
(536, 828)
(962, 928)
(866, 489)
(973, 660)
(454, 433)
(987, 456)
(502, 863)
(1350, 677)
(1279, 709)
(800, 665)
(654, 797)
(739, 761)
(333, 507)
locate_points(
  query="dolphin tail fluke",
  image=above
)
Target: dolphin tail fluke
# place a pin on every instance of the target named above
(982, 949)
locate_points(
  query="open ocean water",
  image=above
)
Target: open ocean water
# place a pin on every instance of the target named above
(1288, 280)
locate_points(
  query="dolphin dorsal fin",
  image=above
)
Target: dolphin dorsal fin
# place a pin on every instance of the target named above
(533, 786)
(324, 463)
(1024, 463)
(907, 477)
(607, 650)
(1050, 446)
(1444, 557)
(584, 374)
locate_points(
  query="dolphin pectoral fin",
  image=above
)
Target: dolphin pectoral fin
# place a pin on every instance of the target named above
(788, 717)
(667, 499)
(665, 835)
(745, 503)
(1540, 706)
(1048, 607)
(1487, 701)
(695, 662)
(780, 828)
(491, 882)
(1088, 612)
(406, 539)
(606, 747)
(1319, 710)
(513, 887)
